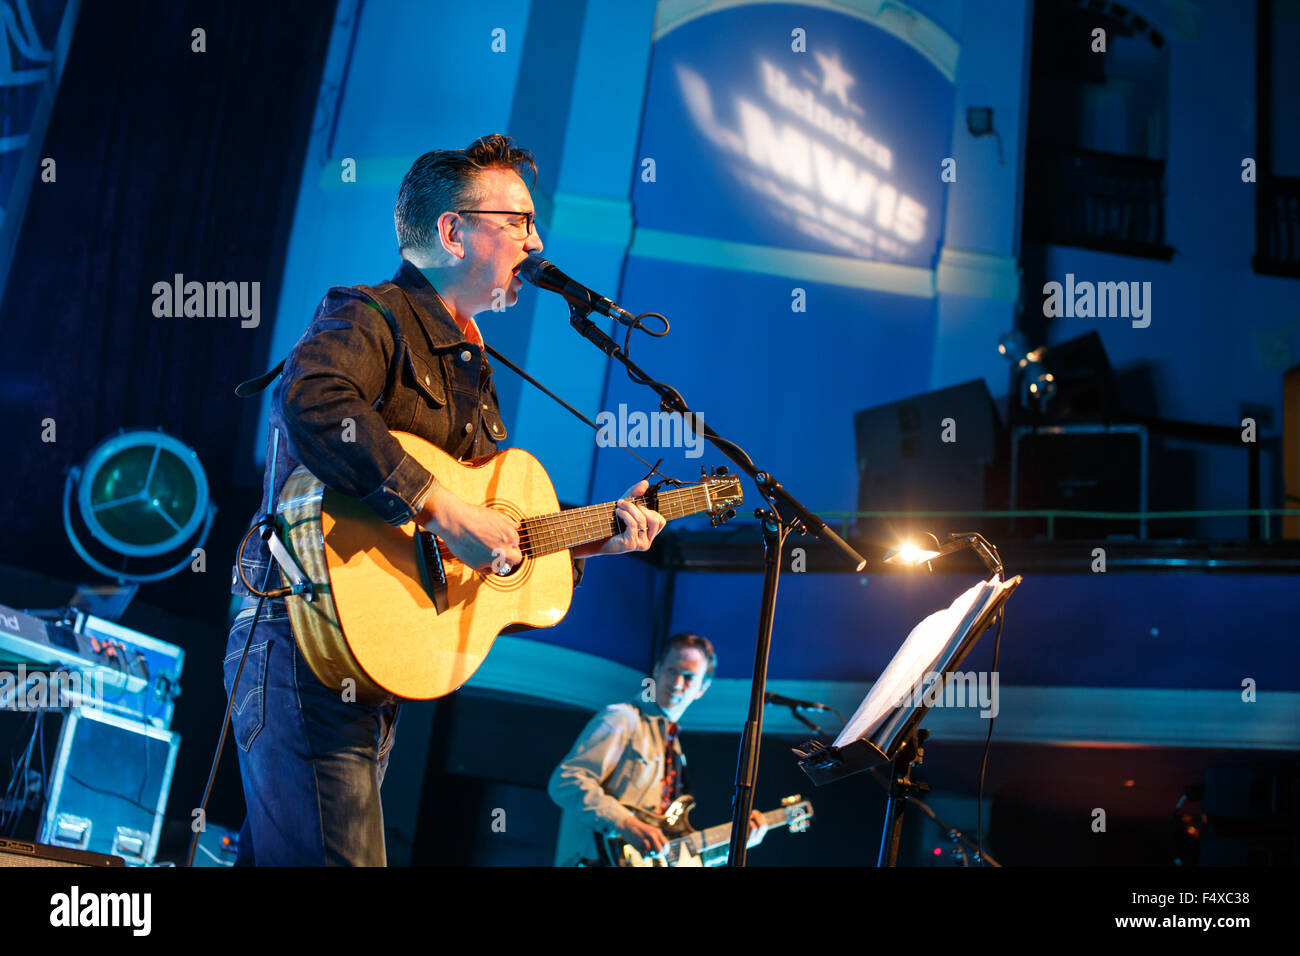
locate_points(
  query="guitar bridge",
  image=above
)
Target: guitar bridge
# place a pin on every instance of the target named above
(433, 575)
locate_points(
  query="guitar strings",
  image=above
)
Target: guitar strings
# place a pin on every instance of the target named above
(555, 529)
(550, 531)
(540, 535)
(593, 515)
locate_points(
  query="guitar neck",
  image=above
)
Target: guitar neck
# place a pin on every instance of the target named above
(720, 835)
(546, 534)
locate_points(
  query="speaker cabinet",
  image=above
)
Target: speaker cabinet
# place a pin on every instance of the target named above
(20, 853)
(945, 450)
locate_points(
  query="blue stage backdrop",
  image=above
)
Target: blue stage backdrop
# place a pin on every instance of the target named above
(797, 158)
(829, 142)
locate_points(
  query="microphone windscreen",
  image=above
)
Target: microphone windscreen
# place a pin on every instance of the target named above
(531, 269)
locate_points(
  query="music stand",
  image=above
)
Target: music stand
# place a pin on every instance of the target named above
(885, 727)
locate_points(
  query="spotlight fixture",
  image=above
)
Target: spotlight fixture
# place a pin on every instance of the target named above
(909, 554)
(141, 494)
(1012, 345)
(1036, 382)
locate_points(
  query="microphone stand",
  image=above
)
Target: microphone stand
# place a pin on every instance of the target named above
(783, 515)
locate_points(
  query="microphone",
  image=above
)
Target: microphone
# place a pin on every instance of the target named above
(772, 698)
(543, 274)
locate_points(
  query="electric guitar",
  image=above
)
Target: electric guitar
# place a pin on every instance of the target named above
(688, 847)
(391, 611)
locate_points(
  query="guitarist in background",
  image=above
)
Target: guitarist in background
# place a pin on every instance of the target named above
(406, 355)
(629, 754)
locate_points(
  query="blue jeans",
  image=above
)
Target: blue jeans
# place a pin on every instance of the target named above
(311, 763)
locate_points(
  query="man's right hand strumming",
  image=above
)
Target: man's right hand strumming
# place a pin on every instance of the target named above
(470, 532)
(643, 837)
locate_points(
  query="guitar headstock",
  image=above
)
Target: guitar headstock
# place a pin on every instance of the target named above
(798, 812)
(725, 493)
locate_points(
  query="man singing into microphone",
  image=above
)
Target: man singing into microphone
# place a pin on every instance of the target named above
(404, 355)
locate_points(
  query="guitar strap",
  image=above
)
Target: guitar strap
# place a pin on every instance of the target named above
(255, 385)
(654, 469)
(682, 772)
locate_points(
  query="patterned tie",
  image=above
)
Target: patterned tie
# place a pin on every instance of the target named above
(670, 769)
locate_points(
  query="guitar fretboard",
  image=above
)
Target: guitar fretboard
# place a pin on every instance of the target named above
(546, 534)
(702, 841)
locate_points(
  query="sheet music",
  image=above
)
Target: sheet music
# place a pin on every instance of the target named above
(915, 658)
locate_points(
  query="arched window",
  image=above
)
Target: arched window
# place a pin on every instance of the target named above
(1098, 129)
(1277, 126)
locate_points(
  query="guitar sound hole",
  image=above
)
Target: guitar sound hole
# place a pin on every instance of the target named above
(511, 573)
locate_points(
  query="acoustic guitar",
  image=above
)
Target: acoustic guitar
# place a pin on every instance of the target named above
(392, 612)
(688, 847)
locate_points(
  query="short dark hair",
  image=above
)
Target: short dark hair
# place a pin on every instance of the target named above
(447, 179)
(687, 639)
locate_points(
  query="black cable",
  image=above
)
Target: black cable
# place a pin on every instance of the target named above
(239, 566)
(40, 746)
(15, 769)
(20, 775)
(951, 832)
(234, 689)
(839, 715)
(144, 781)
(979, 804)
(152, 811)
(146, 718)
(119, 664)
(573, 411)
(637, 324)
(647, 380)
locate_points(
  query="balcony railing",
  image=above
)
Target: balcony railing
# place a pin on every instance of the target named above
(1277, 226)
(1080, 197)
(737, 547)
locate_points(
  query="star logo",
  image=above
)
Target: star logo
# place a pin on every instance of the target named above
(835, 79)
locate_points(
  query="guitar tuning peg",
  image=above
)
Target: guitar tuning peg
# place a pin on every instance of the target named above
(713, 521)
(722, 470)
(728, 514)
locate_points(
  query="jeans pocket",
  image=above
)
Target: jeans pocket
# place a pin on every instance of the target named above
(249, 711)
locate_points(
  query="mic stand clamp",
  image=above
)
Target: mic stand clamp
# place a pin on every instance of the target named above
(901, 788)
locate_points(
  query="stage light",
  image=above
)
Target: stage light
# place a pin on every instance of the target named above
(141, 494)
(1032, 360)
(910, 555)
(1012, 345)
(1036, 383)
(144, 493)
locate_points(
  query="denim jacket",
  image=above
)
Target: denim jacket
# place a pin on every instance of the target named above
(375, 359)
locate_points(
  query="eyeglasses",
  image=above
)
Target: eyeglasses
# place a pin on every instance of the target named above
(513, 227)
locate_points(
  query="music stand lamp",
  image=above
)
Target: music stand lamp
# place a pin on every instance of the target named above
(886, 726)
